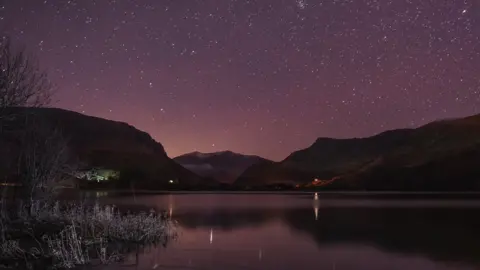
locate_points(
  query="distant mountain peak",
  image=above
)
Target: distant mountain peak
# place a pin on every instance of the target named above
(203, 155)
(198, 154)
(224, 166)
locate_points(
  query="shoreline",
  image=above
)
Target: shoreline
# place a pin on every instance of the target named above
(326, 194)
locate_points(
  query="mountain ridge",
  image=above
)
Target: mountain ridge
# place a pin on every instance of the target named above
(394, 150)
(115, 145)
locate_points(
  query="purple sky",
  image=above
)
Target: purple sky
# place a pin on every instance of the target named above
(262, 77)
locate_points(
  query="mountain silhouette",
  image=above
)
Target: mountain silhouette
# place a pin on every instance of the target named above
(98, 142)
(440, 156)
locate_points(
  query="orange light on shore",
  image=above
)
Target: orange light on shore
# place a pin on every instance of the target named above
(9, 184)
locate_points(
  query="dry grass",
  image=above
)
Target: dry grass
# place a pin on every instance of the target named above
(77, 234)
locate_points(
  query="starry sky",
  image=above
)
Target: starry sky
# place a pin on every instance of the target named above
(262, 77)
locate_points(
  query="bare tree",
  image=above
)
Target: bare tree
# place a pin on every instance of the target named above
(45, 161)
(22, 83)
(42, 150)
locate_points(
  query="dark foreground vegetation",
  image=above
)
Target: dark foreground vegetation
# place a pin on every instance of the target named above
(37, 231)
(54, 235)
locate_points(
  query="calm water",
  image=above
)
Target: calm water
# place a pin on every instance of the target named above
(274, 232)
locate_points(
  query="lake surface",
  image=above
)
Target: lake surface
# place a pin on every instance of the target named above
(274, 232)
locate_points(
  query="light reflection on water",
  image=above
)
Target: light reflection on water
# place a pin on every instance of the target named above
(228, 231)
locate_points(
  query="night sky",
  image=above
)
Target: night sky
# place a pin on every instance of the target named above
(262, 77)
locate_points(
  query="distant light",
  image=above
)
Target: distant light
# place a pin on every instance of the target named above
(171, 181)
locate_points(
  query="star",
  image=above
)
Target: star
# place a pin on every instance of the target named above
(302, 4)
(265, 71)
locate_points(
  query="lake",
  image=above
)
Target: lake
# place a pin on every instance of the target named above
(295, 231)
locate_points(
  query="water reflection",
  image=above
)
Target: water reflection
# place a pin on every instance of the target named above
(90, 195)
(211, 236)
(421, 231)
(279, 232)
(170, 205)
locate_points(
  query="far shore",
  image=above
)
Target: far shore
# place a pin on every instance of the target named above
(360, 194)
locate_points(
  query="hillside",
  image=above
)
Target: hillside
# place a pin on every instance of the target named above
(224, 167)
(443, 155)
(98, 142)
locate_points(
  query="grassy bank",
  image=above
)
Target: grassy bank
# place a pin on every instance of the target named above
(62, 236)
